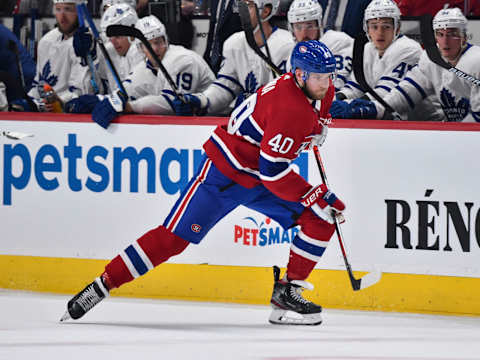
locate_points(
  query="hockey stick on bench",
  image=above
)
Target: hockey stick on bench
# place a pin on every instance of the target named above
(248, 30)
(122, 30)
(430, 45)
(370, 278)
(358, 49)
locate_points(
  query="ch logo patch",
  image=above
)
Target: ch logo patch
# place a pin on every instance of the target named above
(196, 228)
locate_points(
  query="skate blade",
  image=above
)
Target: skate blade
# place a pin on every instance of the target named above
(65, 317)
(285, 317)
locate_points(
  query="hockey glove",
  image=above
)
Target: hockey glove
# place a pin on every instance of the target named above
(23, 105)
(83, 43)
(83, 104)
(109, 108)
(319, 139)
(323, 203)
(357, 109)
(194, 104)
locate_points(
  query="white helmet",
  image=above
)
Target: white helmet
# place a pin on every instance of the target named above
(121, 14)
(382, 9)
(304, 10)
(76, 2)
(107, 3)
(151, 27)
(273, 3)
(450, 18)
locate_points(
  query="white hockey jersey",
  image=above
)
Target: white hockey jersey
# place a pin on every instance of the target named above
(341, 45)
(149, 90)
(243, 71)
(459, 98)
(123, 65)
(384, 73)
(58, 66)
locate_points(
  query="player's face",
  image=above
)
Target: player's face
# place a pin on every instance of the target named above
(159, 46)
(381, 32)
(253, 12)
(450, 42)
(121, 44)
(316, 85)
(306, 30)
(66, 16)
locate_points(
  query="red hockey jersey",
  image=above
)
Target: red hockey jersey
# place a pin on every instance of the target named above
(265, 134)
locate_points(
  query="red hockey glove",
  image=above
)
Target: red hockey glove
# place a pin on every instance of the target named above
(323, 203)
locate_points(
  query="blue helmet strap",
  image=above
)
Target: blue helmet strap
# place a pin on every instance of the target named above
(305, 75)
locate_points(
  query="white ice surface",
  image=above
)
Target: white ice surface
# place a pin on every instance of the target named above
(136, 329)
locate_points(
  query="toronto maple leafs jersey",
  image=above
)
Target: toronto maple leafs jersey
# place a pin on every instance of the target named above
(385, 72)
(123, 65)
(459, 99)
(265, 134)
(58, 66)
(243, 71)
(150, 91)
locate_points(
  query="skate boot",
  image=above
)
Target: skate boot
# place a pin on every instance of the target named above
(86, 299)
(287, 297)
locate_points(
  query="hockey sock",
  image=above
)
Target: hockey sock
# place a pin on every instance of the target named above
(298, 267)
(150, 250)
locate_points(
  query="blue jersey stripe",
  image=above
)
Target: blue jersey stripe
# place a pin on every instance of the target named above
(271, 168)
(307, 247)
(407, 97)
(417, 86)
(247, 129)
(136, 260)
(225, 88)
(388, 78)
(355, 85)
(232, 79)
(383, 87)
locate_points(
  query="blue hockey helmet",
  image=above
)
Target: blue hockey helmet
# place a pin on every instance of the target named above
(312, 56)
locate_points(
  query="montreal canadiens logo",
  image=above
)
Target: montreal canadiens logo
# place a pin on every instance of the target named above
(302, 49)
(196, 228)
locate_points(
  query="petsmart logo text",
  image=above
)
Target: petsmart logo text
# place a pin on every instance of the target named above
(99, 168)
(263, 233)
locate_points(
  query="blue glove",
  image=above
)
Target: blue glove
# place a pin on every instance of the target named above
(83, 104)
(193, 104)
(23, 105)
(109, 108)
(357, 109)
(83, 43)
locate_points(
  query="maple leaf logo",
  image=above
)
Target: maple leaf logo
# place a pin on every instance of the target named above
(251, 83)
(46, 75)
(455, 111)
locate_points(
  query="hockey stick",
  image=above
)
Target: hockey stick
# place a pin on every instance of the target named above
(248, 30)
(370, 278)
(358, 49)
(99, 40)
(33, 40)
(81, 22)
(264, 38)
(122, 30)
(430, 45)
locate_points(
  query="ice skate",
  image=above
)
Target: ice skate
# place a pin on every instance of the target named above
(289, 307)
(86, 299)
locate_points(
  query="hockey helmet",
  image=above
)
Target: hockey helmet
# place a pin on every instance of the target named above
(76, 2)
(382, 9)
(312, 56)
(450, 18)
(305, 10)
(120, 14)
(262, 3)
(151, 27)
(107, 3)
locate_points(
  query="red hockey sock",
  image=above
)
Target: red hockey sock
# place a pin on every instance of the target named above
(158, 245)
(298, 267)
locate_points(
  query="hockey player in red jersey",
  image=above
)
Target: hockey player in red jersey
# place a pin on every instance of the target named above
(248, 162)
